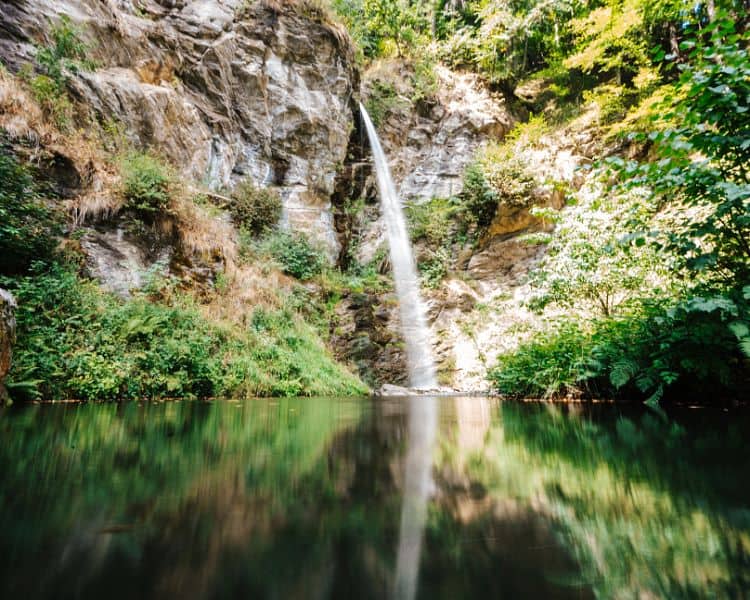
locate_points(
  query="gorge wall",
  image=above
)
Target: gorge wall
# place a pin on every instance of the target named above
(229, 90)
(225, 90)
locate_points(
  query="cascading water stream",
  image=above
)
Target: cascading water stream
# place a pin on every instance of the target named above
(422, 410)
(413, 322)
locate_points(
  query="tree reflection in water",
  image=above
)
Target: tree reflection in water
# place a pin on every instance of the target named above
(302, 498)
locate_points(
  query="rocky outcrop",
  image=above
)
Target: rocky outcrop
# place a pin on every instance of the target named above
(7, 337)
(122, 260)
(430, 142)
(365, 332)
(225, 89)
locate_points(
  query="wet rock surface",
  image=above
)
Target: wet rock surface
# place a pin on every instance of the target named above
(365, 332)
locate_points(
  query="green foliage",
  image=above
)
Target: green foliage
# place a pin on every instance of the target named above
(424, 81)
(381, 100)
(255, 208)
(478, 195)
(695, 346)
(702, 167)
(499, 175)
(147, 183)
(439, 224)
(436, 221)
(435, 267)
(27, 226)
(296, 253)
(396, 22)
(592, 262)
(551, 363)
(66, 54)
(52, 99)
(75, 341)
(613, 102)
(610, 40)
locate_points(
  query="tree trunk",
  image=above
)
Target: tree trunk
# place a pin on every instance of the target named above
(674, 45)
(711, 9)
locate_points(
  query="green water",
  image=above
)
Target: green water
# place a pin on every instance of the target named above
(301, 498)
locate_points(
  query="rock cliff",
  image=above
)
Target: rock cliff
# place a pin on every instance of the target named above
(224, 89)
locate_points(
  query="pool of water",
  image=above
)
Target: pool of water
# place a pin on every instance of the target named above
(331, 498)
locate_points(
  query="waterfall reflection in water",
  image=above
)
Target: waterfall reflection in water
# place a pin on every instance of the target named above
(418, 485)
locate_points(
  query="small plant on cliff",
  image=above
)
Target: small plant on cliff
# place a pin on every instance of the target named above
(425, 82)
(254, 208)
(478, 196)
(146, 183)
(65, 55)
(296, 253)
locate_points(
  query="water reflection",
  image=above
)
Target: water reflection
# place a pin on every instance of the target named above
(417, 487)
(307, 499)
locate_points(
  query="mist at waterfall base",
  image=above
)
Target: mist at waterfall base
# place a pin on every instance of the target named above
(413, 322)
(422, 410)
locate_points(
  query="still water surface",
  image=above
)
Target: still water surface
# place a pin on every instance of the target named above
(304, 498)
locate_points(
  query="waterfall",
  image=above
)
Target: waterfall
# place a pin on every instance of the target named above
(413, 322)
(422, 410)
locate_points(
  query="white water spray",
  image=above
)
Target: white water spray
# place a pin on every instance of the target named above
(413, 322)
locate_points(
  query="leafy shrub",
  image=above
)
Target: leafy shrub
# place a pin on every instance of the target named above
(146, 183)
(435, 267)
(500, 175)
(434, 221)
(65, 55)
(425, 81)
(76, 341)
(382, 99)
(439, 223)
(528, 133)
(613, 101)
(553, 362)
(697, 343)
(297, 255)
(27, 226)
(255, 208)
(510, 177)
(52, 100)
(478, 196)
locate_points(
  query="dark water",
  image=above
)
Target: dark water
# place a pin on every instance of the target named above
(302, 498)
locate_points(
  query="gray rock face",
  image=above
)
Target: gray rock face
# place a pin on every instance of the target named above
(429, 148)
(7, 336)
(430, 145)
(225, 89)
(121, 262)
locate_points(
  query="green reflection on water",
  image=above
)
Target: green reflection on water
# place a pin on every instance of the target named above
(650, 507)
(300, 498)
